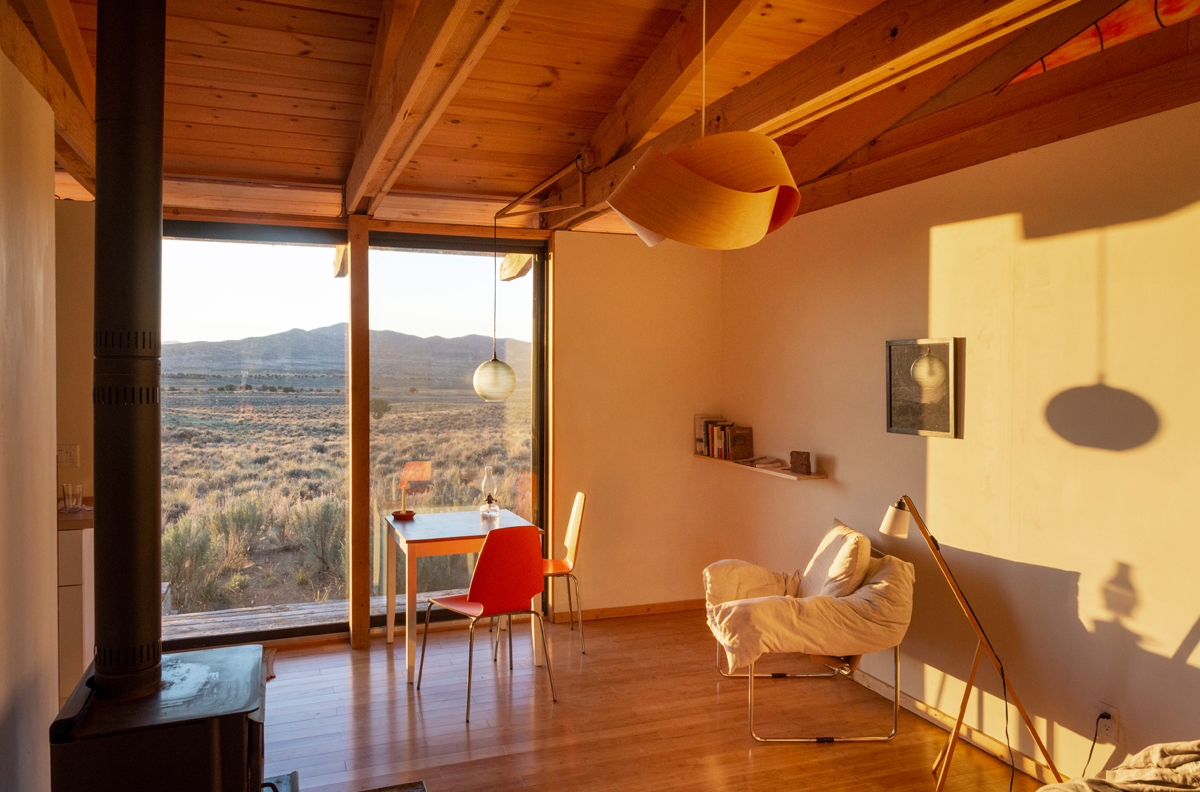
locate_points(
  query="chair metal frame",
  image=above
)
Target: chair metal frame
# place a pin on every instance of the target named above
(844, 670)
(471, 648)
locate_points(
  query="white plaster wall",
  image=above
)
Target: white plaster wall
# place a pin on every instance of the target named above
(1005, 255)
(75, 278)
(636, 353)
(28, 598)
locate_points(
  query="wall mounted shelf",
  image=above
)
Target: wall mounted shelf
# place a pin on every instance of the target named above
(787, 474)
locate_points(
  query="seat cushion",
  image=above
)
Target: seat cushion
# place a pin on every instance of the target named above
(459, 604)
(840, 564)
(555, 566)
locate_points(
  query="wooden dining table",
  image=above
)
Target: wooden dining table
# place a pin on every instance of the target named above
(445, 533)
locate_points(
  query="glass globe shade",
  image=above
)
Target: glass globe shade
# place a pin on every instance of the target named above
(494, 380)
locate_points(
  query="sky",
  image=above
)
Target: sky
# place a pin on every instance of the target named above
(218, 291)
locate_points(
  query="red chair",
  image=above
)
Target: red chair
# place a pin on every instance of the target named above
(508, 574)
(553, 567)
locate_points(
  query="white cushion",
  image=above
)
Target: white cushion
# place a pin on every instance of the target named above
(840, 564)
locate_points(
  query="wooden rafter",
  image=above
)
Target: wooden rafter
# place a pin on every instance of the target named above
(58, 33)
(1153, 74)
(75, 144)
(980, 71)
(674, 63)
(444, 41)
(394, 20)
(895, 40)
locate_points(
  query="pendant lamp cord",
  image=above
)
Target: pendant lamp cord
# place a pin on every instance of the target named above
(495, 278)
(703, 60)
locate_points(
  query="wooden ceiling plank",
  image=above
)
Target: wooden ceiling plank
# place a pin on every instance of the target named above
(674, 63)
(391, 98)
(1035, 41)
(260, 82)
(178, 147)
(894, 41)
(273, 16)
(224, 134)
(59, 35)
(263, 103)
(230, 168)
(73, 124)
(259, 123)
(1102, 105)
(267, 63)
(270, 42)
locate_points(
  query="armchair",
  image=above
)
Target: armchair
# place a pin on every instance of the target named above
(845, 604)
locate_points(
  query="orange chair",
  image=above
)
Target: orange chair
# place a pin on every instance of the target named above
(553, 568)
(507, 576)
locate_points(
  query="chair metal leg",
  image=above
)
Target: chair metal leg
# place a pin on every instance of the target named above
(510, 660)
(570, 608)
(546, 652)
(495, 638)
(579, 605)
(777, 675)
(424, 640)
(879, 738)
(470, 662)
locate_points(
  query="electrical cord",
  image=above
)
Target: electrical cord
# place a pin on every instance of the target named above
(1095, 737)
(578, 159)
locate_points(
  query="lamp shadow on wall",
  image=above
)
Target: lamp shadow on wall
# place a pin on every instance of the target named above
(1098, 416)
(1047, 605)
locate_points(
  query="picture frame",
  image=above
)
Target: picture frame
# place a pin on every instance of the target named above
(922, 386)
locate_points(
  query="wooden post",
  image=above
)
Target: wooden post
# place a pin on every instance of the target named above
(983, 643)
(360, 436)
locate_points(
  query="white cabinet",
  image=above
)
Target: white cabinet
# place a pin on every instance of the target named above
(76, 614)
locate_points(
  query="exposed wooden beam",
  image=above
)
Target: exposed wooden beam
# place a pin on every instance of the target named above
(1071, 100)
(895, 40)
(442, 45)
(980, 71)
(69, 160)
(1036, 41)
(58, 32)
(73, 124)
(674, 63)
(394, 20)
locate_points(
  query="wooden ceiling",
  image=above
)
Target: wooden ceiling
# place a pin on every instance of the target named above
(279, 108)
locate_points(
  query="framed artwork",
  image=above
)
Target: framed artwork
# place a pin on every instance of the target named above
(921, 398)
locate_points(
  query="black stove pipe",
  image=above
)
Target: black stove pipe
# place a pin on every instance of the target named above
(130, 56)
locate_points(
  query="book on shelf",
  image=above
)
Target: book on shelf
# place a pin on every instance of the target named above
(701, 432)
(715, 437)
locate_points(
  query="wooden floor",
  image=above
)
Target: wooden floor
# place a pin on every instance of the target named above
(644, 710)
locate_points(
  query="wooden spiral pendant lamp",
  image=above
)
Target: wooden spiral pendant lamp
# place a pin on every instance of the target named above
(720, 192)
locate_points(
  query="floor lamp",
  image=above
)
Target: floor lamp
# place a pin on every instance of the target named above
(895, 523)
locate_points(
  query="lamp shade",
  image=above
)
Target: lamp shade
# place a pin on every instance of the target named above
(895, 522)
(720, 192)
(494, 380)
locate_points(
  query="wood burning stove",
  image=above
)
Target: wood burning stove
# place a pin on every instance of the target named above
(201, 730)
(140, 719)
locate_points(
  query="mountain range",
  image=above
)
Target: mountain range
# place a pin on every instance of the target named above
(429, 361)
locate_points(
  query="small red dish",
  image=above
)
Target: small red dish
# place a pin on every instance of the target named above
(404, 515)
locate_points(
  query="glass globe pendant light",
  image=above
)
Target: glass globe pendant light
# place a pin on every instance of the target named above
(494, 380)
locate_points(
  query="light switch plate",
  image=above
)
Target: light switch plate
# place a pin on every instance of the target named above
(68, 455)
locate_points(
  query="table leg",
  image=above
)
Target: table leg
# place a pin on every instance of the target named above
(391, 586)
(535, 632)
(410, 614)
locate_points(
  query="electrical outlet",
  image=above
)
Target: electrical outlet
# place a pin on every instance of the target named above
(68, 455)
(1110, 726)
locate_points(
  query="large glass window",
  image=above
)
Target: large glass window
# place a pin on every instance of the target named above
(254, 438)
(431, 435)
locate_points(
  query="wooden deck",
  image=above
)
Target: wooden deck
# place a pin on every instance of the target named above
(643, 710)
(266, 618)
